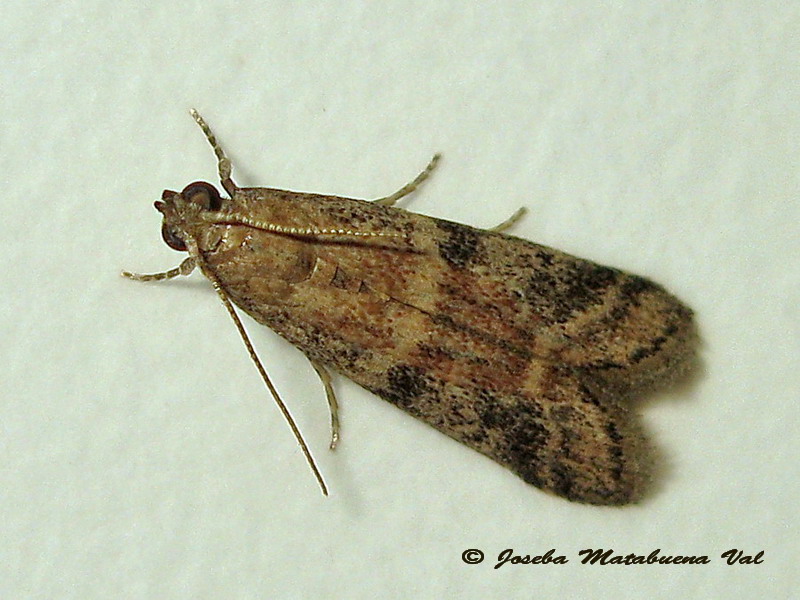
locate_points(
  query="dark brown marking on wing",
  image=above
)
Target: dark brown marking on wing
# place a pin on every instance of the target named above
(570, 287)
(461, 244)
(406, 384)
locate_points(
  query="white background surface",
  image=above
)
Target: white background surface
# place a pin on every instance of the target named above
(140, 456)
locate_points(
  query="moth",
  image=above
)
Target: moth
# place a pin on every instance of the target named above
(522, 352)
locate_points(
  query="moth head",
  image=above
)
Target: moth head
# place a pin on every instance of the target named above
(179, 208)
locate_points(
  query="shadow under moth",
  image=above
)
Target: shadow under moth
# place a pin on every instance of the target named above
(522, 352)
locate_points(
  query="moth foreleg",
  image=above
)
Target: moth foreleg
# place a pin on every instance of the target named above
(224, 166)
(185, 268)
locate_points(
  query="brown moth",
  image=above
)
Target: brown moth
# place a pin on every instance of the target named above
(520, 351)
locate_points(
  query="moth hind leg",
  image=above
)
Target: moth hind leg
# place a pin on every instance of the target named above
(224, 166)
(410, 187)
(333, 404)
(510, 221)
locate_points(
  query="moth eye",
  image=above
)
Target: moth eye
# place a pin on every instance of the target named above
(204, 194)
(172, 240)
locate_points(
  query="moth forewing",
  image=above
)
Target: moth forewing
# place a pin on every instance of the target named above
(520, 351)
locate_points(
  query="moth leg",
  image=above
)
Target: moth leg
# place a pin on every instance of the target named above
(510, 221)
(409, 187)
(185, 268)
(325, 377)
(223, 163)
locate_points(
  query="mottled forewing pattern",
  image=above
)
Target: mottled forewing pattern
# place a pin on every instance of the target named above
(520, 351)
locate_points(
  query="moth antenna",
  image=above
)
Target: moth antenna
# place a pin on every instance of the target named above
(222, 218)
(267, 381)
